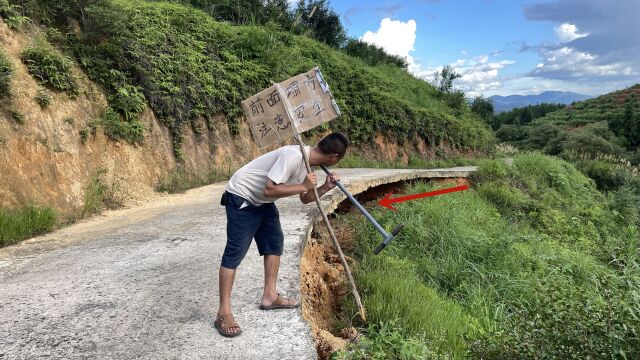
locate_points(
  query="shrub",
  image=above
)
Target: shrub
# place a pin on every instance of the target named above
(188, 65)
(43, 98)
(511, 133)
(6, 69)
(117, 129)
(539, 135)
(11, 14)
(129, 101)
(49, 67)
(608, 176)
(583, 142)
(23, 223)
(18, 117)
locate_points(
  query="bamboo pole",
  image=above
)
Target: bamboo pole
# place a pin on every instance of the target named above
(354, 290)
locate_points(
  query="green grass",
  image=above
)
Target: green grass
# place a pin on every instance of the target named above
(23, 223)
(530, 263)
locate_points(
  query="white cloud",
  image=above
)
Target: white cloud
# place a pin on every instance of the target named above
(569, 63)
(478, 74)
(568, 32)
(398, 38)
(395, 37)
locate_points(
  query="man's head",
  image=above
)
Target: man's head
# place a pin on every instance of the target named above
(332, 148)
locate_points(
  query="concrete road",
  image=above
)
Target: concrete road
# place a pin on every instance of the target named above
(142, 282)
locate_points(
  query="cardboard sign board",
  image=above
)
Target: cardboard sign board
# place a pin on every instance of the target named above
(291, 107)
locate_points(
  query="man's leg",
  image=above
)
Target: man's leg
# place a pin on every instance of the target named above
(270, 293)
(225, 277)
(271, 266)
(241, 227)
(270, 239)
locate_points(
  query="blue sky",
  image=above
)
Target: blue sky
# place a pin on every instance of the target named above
(508, 47)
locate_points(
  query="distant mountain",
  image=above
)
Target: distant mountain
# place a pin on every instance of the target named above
(506, 103)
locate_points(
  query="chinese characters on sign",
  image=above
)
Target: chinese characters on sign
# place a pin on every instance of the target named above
(291, 107)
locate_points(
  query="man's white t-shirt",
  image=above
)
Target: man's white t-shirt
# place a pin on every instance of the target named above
(283, 166)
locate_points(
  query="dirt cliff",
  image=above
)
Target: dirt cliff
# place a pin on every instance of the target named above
(43, 159)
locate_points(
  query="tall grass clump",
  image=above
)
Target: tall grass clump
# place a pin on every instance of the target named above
(23, 223)
(103, 192)
(529, 263)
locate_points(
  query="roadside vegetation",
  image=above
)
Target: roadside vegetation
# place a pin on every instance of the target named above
(24, 223)
(533, 262)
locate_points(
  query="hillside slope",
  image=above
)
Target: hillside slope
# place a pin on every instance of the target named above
(180, 75)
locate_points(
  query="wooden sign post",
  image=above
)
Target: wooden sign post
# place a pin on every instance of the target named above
(284, 111)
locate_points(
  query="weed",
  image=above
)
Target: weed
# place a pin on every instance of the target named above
(529, 265)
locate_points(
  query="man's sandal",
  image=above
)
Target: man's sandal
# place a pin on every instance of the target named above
(224, 322)
(280, 303)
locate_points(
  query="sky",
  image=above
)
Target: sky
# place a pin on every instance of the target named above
(505, 47)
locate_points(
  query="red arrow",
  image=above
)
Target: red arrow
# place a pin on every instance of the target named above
(387, 200)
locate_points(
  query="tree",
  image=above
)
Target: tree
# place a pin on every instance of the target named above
(323, 22)
(631, 121)
(483, 107)
(443, 80)
(527, 115)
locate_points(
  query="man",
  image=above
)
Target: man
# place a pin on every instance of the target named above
(251, 213)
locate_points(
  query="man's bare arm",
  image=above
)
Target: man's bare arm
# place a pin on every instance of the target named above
(309, 197)
(276, 191)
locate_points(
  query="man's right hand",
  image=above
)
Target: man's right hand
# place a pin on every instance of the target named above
(310, 181)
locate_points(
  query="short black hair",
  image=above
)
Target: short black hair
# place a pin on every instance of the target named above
(334, 143)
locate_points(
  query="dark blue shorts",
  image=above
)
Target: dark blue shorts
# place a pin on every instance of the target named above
(259, 222)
